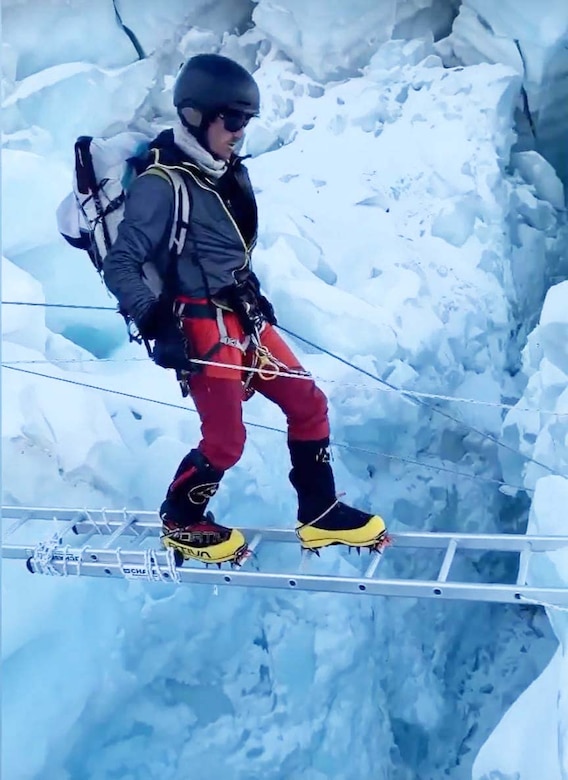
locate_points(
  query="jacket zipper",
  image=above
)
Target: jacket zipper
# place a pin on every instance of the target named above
(227, 212)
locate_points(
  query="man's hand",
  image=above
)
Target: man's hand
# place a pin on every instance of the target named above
(173, 351)
(157, 319)
(263, 304)
(267, 310)
(171, 347)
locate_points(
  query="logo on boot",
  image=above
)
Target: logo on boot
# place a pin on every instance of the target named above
(200, 494)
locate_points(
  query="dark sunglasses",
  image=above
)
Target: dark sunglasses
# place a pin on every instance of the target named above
(233, 120)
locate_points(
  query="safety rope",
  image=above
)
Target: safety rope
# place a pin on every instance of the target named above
(384, 385)
(405, 393)
(261, 426)
(547, 604)
(298, 375)
(421, 402)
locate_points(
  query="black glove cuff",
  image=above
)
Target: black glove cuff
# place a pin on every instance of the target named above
(157, 320)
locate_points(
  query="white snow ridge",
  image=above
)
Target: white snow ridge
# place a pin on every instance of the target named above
(409, 163)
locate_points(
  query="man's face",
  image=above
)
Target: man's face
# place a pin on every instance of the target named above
(221, 141)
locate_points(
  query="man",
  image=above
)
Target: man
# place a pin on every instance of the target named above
(212, 310)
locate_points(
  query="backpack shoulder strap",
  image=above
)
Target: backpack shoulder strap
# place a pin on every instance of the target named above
(182, 205)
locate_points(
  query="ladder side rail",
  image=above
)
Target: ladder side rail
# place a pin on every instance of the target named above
(76, 514)
(481, 542)
(149, 519)
(428, 540)
(132, 566)
(154, 527)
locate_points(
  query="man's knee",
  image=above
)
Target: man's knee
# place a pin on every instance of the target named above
(224, 451)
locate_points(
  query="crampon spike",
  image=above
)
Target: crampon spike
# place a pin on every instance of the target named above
(358, 550)
(241, 556)
(382, 543)
(218, 565)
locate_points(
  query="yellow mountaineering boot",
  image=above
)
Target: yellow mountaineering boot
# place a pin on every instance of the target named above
(204, 541)
(322, 519)
(192, 534)
(342, 524)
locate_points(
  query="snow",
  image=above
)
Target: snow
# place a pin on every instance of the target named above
(403, 230)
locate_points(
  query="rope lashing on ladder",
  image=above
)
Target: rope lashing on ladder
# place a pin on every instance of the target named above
(42, 557)
(151, 569)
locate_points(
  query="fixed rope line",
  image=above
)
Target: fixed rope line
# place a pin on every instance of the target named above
(423, 403)
(406, 393)
(60, 306)
(386, 386)
(132, 396)
(309, 377)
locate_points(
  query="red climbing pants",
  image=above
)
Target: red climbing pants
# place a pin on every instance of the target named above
(218, 392)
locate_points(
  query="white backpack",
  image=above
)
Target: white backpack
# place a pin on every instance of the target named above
(89, 216)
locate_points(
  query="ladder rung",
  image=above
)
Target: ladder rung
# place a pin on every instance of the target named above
(252, 547)
(13, 528)
(372, 567)
(524, 560)
(141, 537)
(119, 531)
(255, 542)
(448, 559)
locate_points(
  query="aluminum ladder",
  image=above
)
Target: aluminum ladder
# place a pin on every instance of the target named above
(114, 544)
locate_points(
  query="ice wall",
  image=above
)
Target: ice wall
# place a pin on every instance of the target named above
(532, 38)
(539, 427)
(66, 31)
(530, 741)
(332, 39)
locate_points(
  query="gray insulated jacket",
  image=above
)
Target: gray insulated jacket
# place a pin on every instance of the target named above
(221, 235)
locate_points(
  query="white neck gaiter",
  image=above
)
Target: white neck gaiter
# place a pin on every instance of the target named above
(204, 159)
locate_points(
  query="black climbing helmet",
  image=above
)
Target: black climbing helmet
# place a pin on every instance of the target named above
(211, 83)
